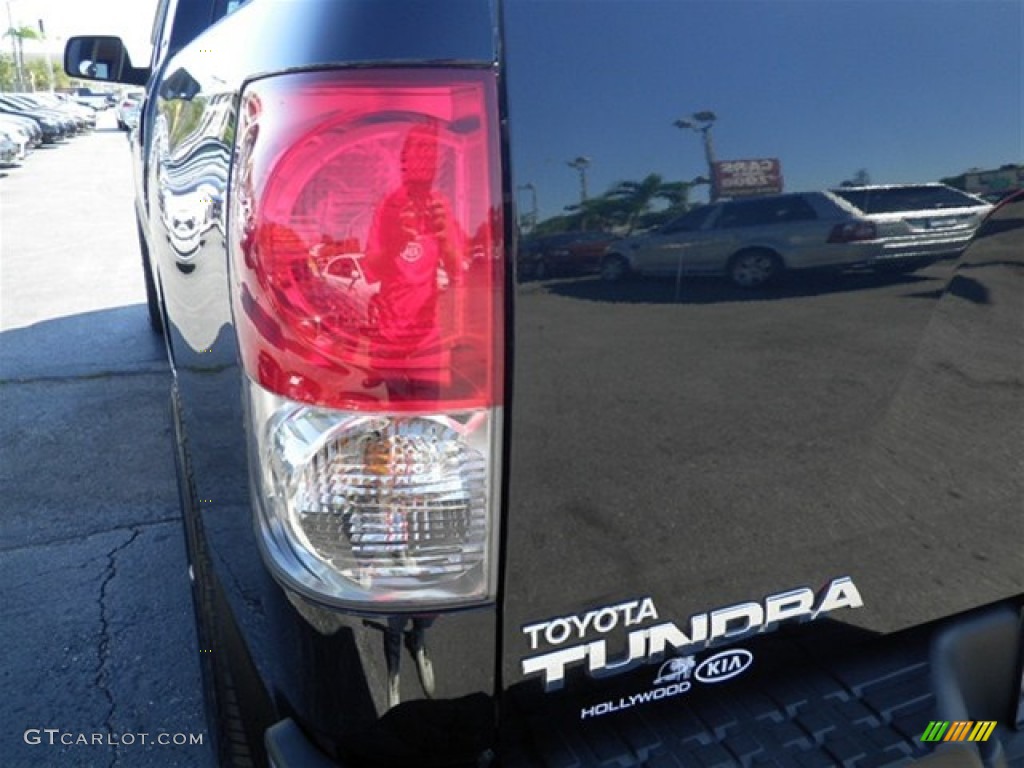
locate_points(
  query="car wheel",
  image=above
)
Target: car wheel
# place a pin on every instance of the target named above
(614, 268)
(156, 319)
(121, 126)
(754, 267)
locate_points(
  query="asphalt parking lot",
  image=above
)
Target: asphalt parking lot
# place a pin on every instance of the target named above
(101, 662)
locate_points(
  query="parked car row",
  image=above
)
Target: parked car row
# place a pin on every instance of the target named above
(28, 120)
(563, 253)
(752, 241)
(98, 100)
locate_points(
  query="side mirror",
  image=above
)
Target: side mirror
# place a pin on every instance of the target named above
(101, 58)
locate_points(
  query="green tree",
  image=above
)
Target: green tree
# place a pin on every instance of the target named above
(637, 198)
(60, 77)
(38, 73)
(625, 207)
(23, 33)
(20, 35)
(596, 213)
(7, 72)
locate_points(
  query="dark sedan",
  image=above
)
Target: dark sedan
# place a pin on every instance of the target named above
(564, 253)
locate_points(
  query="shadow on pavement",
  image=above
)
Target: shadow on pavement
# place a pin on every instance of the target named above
(86, 344)
(97, 616)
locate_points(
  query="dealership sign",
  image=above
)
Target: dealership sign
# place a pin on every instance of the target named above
(743, 178)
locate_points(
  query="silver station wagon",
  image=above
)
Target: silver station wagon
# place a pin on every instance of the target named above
(917, 223)
(751, 240)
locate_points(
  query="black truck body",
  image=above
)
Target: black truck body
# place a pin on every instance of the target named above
(677, 523)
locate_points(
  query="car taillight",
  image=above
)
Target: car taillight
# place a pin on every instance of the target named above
(851, 231)
(370, 331)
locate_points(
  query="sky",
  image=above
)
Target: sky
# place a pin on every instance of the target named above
(910, 90)
(130, 20)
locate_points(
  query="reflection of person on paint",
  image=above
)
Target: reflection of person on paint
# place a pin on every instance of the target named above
(413, 237)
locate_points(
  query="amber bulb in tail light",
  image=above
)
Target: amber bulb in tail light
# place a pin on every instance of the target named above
(367, 276)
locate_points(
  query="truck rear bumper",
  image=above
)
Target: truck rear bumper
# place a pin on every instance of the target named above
(859, 710)
(866, 705)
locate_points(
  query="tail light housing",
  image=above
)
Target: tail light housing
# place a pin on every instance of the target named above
(853, 231)
(367, 276)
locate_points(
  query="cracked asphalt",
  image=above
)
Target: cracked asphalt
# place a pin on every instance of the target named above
(100, 661)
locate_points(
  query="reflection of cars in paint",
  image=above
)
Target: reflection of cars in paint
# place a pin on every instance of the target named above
(127, 110)
(751, 241)
(343, 271)
(562, 253)
(187, 216)
(917, 223)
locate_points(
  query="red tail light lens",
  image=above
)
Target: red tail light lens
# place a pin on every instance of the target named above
(368, 225)
(365, 233)
(852, 231)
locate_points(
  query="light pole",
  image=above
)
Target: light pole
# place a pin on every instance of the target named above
(46, 52)
(701, 122)
(19, 64)
(581, 164)
(530, 219)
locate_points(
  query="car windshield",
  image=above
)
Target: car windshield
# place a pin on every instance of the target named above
(895, 199)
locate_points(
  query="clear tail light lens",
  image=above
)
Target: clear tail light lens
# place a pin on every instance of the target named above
(367, 268)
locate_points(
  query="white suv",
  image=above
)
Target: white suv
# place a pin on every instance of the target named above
(917, 223)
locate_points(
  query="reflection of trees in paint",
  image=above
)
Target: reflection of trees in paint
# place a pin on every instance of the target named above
(625, 207)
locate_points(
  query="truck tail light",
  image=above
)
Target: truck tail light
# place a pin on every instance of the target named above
(852, 231)
(367, 276)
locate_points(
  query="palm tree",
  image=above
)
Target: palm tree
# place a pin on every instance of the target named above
(636, 197)
(18, 37)
(598, 213)
(624, 207)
